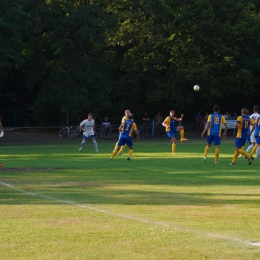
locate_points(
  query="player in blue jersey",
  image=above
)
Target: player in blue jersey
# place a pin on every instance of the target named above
(171, 128)
(214, 127)
(126, 128)
(242, 124)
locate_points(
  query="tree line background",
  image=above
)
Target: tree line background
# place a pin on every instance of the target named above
(61, 59)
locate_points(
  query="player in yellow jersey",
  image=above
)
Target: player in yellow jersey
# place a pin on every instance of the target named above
(126, 128)
(124, 118)
(242, 124)
(171, 129)
(214, 129)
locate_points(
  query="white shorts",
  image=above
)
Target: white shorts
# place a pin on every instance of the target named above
(252, 138)
(88, 134)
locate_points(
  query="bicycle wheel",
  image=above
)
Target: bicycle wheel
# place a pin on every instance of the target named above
(77, 130)
(72, 134)
(62, 132)
(143, 133)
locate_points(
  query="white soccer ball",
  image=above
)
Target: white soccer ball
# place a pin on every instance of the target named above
(196, 88)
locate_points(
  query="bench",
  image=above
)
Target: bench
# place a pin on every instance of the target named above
(231, 125)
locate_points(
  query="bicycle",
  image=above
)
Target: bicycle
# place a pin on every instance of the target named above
(143, 132)
(103, 132)
(159, 131)
(67, 130)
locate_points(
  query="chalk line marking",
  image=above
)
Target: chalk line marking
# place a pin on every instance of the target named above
(158, 223)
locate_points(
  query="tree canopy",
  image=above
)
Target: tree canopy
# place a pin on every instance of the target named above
(62, 58)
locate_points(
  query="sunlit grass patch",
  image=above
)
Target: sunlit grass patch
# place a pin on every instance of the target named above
(59, 203)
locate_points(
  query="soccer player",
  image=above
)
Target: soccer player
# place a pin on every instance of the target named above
(126, 128)
(171, 129)
(88, 128)
(257, 136)
(254, 116)
(125, 117)
(214, 128)
(242, 124)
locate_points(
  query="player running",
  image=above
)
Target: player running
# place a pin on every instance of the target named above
(171, 129)
(242, 124)
(214, 128)
(126, 128)
(124, 118)
(254, 116)
(88, 128)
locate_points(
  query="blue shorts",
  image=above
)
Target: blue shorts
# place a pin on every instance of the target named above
(240, 142)
(257, 139)
(171, 134)
(125, 139)
(213, 138)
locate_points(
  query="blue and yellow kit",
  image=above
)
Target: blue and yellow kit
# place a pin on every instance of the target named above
(216, 121)
(170, 121)
(244, 123)
(128, 127)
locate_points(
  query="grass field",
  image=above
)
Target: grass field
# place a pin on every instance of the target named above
(59, 203)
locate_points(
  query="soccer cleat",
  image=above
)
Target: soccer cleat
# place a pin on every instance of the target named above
(110, 159)
(231, 163)
(205, 160)
(80, 148)
(119, 154)
(250, 160)
(241, 156)
(184, 139)
(128, 158)
(97, 151)
(1, 165)
(173, 153)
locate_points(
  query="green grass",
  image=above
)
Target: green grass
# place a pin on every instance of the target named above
(59, 203)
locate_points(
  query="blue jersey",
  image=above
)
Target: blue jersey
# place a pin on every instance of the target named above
(243, 125)
(216, 121)
(257, 129)
(128, 127)
(170, 122)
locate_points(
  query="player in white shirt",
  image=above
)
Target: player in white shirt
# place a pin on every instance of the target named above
(88, 128)
(254, 116)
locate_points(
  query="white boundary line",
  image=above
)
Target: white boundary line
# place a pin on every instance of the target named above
(163, 224)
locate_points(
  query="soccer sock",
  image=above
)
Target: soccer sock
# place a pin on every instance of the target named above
(235, 156)
(206, 151)
(216, 154)
(122, 148)
(243, 152)
(113, 153)
(95, 145)
(249, 148)
(253, 151)
(182, 133)
(130, 152)
(173, 148)
(82, 144)
(116, 145)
